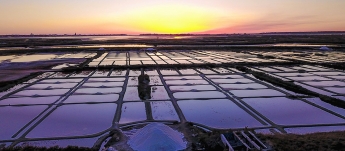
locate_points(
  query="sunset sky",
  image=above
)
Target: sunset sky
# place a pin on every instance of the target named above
(169, 16)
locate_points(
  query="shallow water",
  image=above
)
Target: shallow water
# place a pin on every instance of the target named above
(163, 110)
(192, 88)
(53, 86)
(337, 77)
(225, 76)
(309, 78)
(222, 70)
(293, 74)
(22, 116)
(92, 98)
(325, 83)
(331, 107)
(56, 81)
(41, 92)
(182, 78)
(154, 80)
(314, 89)
(198, 95)
(157, 93)
(188, 71)
(105, 79)
(234, 81)
(132, 112)
(169, 72)
(340, 90)
(103, 84)
(59, 75)
(81, 74)
(118, 73)
(81, 142)
(206, 71)
(256, 93)
(218, 113)
(100, 73)
(329, 73)
(286, 111)
(98, 90)
(29, 100)
(186, 82)
(243, 86)
(16, 87)
(75, 120)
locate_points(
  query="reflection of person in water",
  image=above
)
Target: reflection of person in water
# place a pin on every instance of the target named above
(144, 88)
(144, 91)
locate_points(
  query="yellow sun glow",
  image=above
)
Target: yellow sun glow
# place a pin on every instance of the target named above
(170, 19)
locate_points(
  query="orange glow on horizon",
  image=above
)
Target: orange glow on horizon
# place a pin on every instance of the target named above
(175, 19)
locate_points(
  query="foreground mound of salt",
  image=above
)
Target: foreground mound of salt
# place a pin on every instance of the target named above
(157, 136)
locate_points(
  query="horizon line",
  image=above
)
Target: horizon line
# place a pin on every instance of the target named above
(147, 34)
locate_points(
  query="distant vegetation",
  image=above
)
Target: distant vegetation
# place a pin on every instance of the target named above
(330, 141)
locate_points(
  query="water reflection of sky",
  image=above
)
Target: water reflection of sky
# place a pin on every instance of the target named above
(88, 103)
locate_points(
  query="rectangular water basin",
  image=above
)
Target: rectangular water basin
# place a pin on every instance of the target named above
(29, 100)
(53, 86)
(103, 84)
(57, 81)
(75, 120)
(235, 81)
(81, 74)
(154, 80)
(163, 110)
(118, 73)
(98, 90)
(325, 83)
(337, 77)
(242, 86)
(286, 111)
(217, 113)
(157, 93)
(182, 78)
(309, 78)
(329, 73)
(105, 79)
(222, 70)
(293, 74)
(188, 71)
(41, 92)
(256, 93)
(199, 95)
(206, 71)
(186, 82)
(14, 118)
(92, 98)
(169, 72)
(100, 73)
(314, 89)
(192, 88)
(132, 112)
(326, 105)
(81, 142)
(234, 76)
(59, 75)
(285, 69)
(340, 90)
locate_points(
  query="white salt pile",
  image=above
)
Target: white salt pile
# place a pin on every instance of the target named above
(157, 137)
